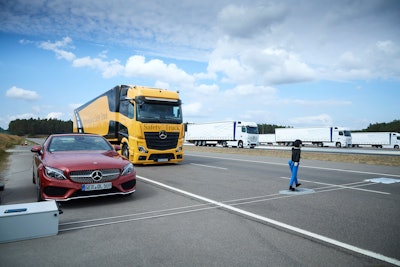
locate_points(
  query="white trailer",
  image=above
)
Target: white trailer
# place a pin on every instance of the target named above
(320, 136)
(266, 139)
(227, 133)
(376, 139)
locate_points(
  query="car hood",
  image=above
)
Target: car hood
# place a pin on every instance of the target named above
(77, 160)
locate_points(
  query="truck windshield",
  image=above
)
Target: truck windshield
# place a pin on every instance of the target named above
(159, 112)
(252, 130)
(347, 133)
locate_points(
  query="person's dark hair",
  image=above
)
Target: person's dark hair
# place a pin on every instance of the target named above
(297, 143)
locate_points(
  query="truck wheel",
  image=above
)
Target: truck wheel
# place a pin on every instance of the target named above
(224, 144)
(240, 144)
(125, 151)
(396, 147)
(338, 145)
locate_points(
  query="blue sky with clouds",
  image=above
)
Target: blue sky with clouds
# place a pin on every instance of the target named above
(309, 63)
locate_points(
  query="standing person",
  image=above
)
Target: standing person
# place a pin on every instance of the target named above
(294, 164)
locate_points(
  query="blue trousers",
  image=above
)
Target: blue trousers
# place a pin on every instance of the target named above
(293, 169)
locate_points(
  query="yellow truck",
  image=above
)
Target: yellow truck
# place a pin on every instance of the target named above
(146, 122)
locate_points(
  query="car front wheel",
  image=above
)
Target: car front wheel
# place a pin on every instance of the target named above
(38, 192)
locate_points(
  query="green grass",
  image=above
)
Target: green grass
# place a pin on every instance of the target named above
(7, 141)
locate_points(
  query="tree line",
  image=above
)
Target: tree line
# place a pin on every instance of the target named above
(393, 126)
(39, 126)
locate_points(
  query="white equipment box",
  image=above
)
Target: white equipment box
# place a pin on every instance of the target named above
(28, 220)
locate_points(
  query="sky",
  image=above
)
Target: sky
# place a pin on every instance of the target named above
(293, 63)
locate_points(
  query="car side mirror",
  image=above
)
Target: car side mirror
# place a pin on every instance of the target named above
(117, 147)
(37, 149)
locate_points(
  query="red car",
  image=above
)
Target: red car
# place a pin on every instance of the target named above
(70, 166)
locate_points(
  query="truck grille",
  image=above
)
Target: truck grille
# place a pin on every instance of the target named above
(85, 176)
(153, 141)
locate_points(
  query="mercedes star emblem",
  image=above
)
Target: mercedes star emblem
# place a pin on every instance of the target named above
(97, 175)
(162, 134)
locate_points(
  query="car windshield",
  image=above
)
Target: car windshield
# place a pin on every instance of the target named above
(77, 143)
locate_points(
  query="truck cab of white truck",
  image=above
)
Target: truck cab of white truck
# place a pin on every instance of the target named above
(341, 137)
(246, 136)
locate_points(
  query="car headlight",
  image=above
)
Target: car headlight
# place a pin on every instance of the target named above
(54, 173)
(127, 169)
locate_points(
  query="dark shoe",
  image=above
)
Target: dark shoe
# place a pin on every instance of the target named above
(291, 188)
(297, 185)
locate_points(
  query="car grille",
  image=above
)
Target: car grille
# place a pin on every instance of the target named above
(85, 176)
(153, 141)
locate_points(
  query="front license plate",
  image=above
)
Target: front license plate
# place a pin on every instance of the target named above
(92, 187)
(162, 160)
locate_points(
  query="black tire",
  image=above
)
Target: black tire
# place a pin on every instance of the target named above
(125, 151)
(240, 144)
(338, 145)
(38, 192)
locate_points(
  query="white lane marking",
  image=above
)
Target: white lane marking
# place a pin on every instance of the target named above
(131, 220)
(133, 214)
(302, 166)
(277, 223)
(209, 166)
(345, 186)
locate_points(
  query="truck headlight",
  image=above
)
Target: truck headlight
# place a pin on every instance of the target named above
(128, 169)
(54, 173)
(142, 149)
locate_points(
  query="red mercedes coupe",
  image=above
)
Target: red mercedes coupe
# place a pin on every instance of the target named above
(71, 166)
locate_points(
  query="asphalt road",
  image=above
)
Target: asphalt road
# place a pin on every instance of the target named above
(220, 210)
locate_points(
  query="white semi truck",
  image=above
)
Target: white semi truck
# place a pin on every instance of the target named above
(376, 139)
(320, 136)
(227, 133)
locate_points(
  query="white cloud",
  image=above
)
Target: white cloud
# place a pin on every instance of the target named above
(252, 63)
(22, 116)
(56, 48)
(107, 68)
(246, 21)
(193, 109)
(54, 115)
(19, 93)
(136, 66)
(316, 120)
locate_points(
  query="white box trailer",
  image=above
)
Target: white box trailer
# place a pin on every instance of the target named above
(226, 133)
(376, 139)
(266, 139)
(320, 136)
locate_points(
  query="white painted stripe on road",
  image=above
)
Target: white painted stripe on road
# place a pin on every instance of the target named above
(277, 223)
(302, 166)
(346, 186)
(209, 166)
